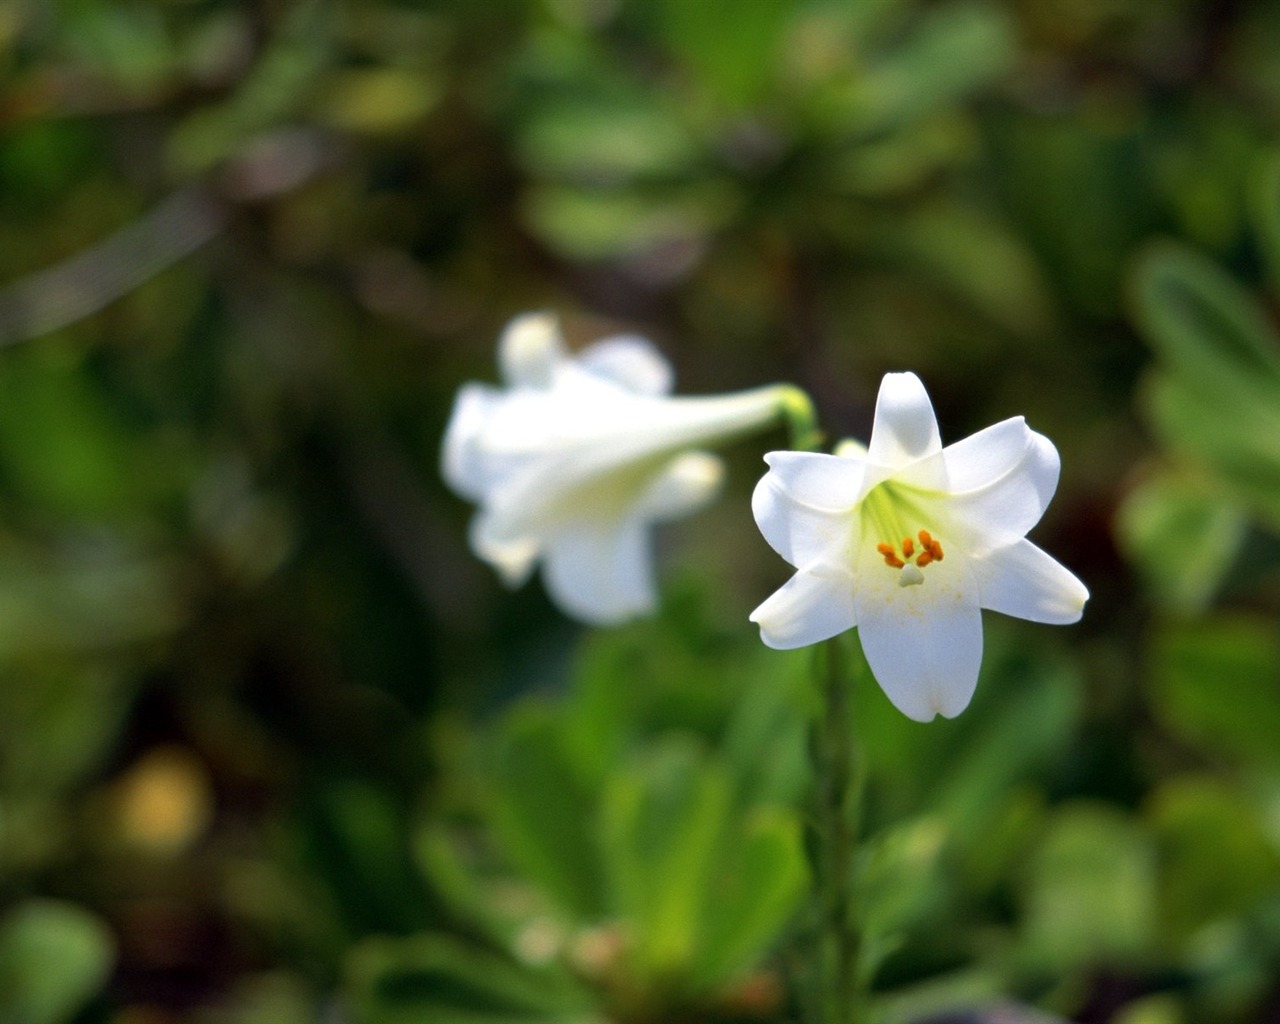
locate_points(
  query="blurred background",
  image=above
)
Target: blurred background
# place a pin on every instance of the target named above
(275, 748)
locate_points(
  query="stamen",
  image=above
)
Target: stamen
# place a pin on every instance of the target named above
(931, 551)
(890, 556)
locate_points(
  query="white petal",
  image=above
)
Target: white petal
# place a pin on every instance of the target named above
(675, 423)
(1000, 510)
(631, 361)
(987, 455)
(462, 459)
(512, 555)
(905, 428)
(806, 610)
(1022, 581)
(530, 349)
(634, 467)
(601, 573)
(822, 482)
(923, 643)
(688, 483)
(805, 536)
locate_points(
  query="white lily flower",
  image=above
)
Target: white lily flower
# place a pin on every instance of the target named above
(908, 541)
(578, 457)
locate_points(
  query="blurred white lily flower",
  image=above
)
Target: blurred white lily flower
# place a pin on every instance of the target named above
(574, 460)
(908, 541)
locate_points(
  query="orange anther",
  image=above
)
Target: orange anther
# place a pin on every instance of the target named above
(935, 549)
(893, 560)
(885, 549)
(924, 559)
(908, 547)
(925, 538)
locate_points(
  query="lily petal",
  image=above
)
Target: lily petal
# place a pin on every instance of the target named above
(1023, 581)
(923, 642)
(806, 609)
(512, 555)
(905, 428)
(988, 455)
(817, 481)
(568, 470)
(530, 349)
(630, 361)
(802, 534)
(1002, 510)
(689, 482)
(601, 575)
(462, 456)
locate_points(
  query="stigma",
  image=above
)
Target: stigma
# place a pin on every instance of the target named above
(910, 576)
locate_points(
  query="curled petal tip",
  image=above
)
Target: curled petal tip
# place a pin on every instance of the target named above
(530, 347)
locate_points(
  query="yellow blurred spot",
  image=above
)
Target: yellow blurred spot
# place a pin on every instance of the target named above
(378, 100)
(164, 802)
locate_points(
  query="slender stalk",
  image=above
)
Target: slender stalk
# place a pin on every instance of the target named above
(802, 420)
(837, 969)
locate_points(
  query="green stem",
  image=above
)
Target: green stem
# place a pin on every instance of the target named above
(839, 1000)
(802, 421)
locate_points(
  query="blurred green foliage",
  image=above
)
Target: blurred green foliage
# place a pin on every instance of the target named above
(274, 748)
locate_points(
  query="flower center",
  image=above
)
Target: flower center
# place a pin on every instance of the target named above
(910, 557)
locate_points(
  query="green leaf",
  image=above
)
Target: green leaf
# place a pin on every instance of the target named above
(55, 729)
(732, 46)
(1157, 1009)
(900, 883)
(599, 224)
(439, 979)
(1203, 325)
(1217, 352)
(544, 812)
(280, 80)
(53, 958)
(1183, 532)
(1242, 449)
(127, 43)
(953, 51)
(89, 597)
(1264, 203)
(757, 885)
(765, 740)
(1089, 897)
(62, 446)
(1214, 683)
(981, 260)
(1025, 730)
(1216, 860)
(663, 822)
(899, 162)
(605, 141)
